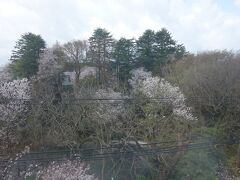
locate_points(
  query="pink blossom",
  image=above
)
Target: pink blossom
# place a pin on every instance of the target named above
(160, 90)
(69, 170)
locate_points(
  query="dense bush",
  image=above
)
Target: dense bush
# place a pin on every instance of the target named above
(211, 83)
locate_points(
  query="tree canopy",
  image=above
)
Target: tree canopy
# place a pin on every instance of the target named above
(124, 55)
(100, 51)
(155, 49)
(24, 59)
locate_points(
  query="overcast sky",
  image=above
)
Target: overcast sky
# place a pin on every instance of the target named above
(198, 24)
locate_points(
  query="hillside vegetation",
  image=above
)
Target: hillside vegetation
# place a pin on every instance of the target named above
(104, 92)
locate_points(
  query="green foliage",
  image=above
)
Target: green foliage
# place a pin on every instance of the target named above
(196, 164)
(32, 177)
(26, 54)
(124, 56)
(100, 46)
(156, 49)
(87, 85)
(180, 51)
(145, 50)
(100, 51)
(141, 178)
(164, 47)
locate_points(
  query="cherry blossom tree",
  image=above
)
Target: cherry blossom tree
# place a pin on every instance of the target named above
(13, 107)
(49, 63)
(138, 76)
(69, 170)
(5, 75)
(160, 90)
(110, 105)
(10, 169)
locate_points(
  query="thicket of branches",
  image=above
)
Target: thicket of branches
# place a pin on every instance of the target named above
(212, 79)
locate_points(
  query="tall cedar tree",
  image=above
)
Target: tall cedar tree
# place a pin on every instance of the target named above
(145, 50)
(124, 56)
(100, 51)
(25, 56)
(157, 49)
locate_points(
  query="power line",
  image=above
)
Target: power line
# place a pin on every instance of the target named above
(123, 153)
(79, 101)
(119, 143)
(131, 98)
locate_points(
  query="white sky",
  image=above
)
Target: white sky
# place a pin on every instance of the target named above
(198, 24)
